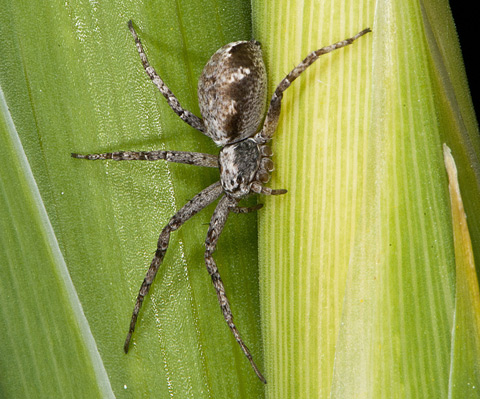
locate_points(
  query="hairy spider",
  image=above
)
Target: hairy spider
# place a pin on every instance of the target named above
(232, 92)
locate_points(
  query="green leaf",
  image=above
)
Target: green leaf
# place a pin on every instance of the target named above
(358, 267)
(48, 349)
(73, 82)
(357, 263)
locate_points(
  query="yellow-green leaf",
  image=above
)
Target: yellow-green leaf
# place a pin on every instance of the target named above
(357, 261)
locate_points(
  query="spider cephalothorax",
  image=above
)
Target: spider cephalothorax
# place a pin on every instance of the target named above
(232, 94)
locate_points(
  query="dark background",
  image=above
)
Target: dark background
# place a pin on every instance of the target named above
(466, 20)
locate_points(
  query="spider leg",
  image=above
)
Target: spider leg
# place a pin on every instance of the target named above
(257, 187)
(196, 204)
(225, 205)
(245, 209)
(190, 158)
(184, 114)
(273, 113)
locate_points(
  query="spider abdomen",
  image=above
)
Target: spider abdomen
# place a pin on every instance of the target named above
(232, 92)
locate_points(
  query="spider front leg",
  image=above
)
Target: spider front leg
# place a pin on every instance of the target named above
(189, 158)
(196, 204)
(273, 113)
(184, 114)
(225, 205)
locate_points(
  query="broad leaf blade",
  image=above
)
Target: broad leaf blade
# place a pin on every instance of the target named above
(73, 82)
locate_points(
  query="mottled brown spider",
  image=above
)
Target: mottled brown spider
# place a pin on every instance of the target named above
(232, 92)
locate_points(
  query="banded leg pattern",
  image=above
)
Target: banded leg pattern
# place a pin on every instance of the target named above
(219, 218)
(195, 205)
(189, 158)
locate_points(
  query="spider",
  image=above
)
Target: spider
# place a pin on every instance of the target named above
(232, 92)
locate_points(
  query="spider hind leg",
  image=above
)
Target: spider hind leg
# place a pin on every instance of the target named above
(219, 218)
(195, 205)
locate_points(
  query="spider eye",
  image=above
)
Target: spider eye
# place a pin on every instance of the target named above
(240, 179)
